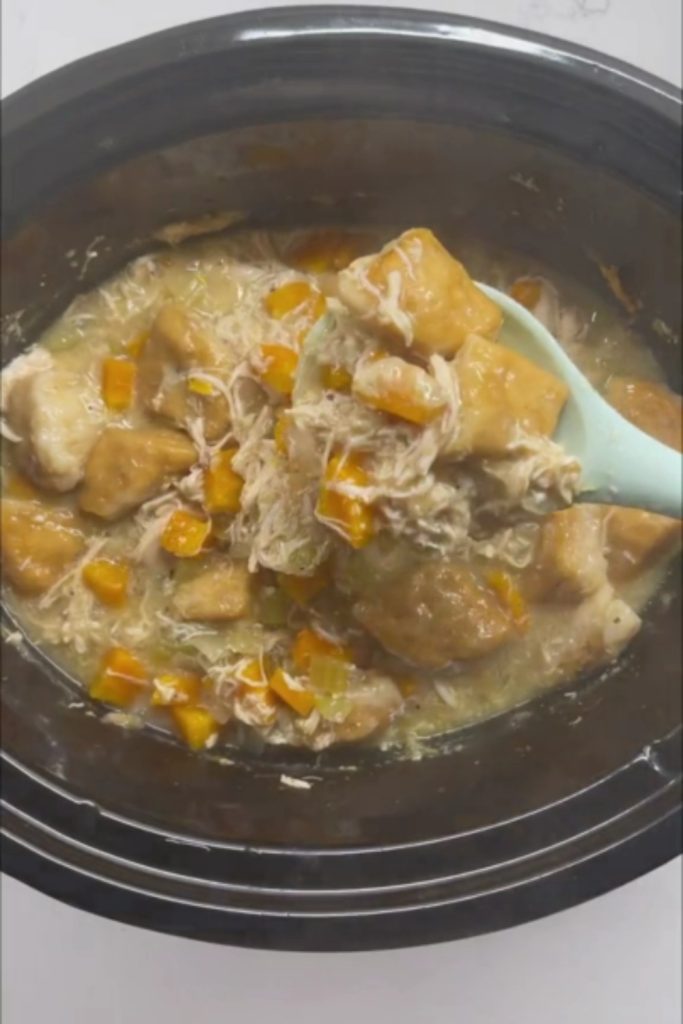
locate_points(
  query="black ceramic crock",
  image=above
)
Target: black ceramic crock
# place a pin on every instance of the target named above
(352, 115)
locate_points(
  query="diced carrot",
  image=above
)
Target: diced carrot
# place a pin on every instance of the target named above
(118, 383)
(108, 580)
(526, 291)
(308, 644)
(406, 409)
(120, 679)
(351, 515)
(222, 485)
(254, 672)
(407, 686)
(134, 347)
(295, 296)
(200, 386)
(401, 389)
(255, 686)
(299, 301)
(20, 487)
(279, 365)
(301, 701)
(336, 378)
(197, 726)
(509, 596)
(324, 251)
(280, 434)
(176, 688)
(262, 702)
(185, 534)
(302, 589)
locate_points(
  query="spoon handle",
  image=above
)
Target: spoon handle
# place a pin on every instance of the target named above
(620, 464)
(628, 467)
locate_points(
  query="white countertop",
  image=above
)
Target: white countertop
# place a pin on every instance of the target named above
(616, 959)
(39, 35)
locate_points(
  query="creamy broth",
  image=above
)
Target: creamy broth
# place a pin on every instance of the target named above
(250, 578)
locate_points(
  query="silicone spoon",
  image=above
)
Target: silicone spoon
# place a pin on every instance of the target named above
(620, 464)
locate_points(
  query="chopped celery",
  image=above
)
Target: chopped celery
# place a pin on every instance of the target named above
(305, 559)
(63, 342)
(329, 675)
(240, 638)
(166, 651)
(273, 607)
(245, 638)
(211, 646)
(333, 707)
(188, 568)
(381, 561)
(307, 383)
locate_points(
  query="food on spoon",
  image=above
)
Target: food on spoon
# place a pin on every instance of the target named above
(394, 386)
(341, 503)
(503, 397)
(418, 295)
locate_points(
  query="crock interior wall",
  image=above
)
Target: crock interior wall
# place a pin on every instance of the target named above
(465, 183)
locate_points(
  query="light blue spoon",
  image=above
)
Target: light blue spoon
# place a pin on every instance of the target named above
(620, 464)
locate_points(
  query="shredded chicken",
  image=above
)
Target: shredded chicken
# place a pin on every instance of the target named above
(292, 783)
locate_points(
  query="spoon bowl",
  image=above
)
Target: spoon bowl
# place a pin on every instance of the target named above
(620, 464)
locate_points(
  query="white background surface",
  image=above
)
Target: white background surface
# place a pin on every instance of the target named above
(616, 960)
